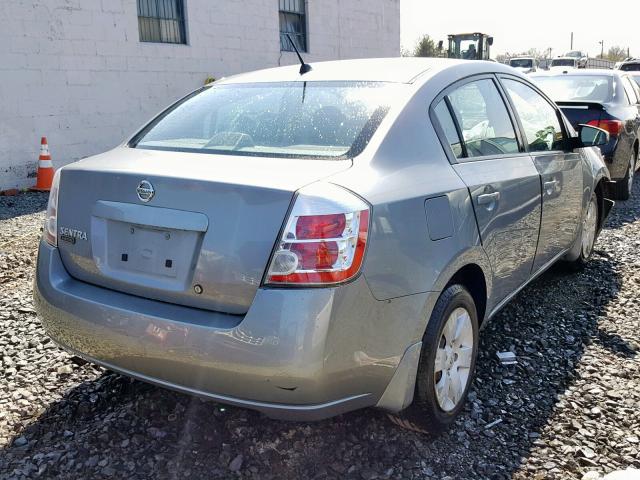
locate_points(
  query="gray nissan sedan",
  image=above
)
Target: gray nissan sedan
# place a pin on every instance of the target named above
(309, 244)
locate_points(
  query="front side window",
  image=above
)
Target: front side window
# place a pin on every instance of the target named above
(284, 119)
(540, 122)
(161, 21)
(483, 119)
(293, 23)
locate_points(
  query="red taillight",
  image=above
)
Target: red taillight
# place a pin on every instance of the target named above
(614, 127)
(316, 255)
(320, 226)
(321, 249)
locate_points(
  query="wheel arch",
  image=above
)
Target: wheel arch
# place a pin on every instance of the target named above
(472, 277)
(472, 270)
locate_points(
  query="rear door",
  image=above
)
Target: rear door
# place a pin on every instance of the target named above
(503, 182)
(560, 170)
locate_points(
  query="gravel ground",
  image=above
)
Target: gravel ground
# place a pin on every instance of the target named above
(568, 409)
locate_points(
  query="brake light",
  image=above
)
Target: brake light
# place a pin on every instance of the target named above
(50, 231)
(614, 127)
(324, 240)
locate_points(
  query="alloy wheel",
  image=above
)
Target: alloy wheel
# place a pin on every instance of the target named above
(452, 365)
(631, 173)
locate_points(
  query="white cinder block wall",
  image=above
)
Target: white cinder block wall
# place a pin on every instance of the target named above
(76, 72)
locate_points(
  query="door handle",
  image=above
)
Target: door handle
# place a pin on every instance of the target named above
(488, 198)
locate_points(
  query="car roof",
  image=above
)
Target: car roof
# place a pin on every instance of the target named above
(398, 70)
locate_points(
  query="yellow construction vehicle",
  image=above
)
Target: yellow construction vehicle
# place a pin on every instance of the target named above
(469, 46)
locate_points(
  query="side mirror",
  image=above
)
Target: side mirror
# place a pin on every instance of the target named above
(593, 136)
(490, 41)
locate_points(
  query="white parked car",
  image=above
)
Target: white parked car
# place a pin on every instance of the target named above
(524, 64)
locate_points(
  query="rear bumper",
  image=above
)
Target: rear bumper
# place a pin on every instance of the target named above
(302, 354)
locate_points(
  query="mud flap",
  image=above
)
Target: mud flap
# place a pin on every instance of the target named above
(399, 393)
(607, 205)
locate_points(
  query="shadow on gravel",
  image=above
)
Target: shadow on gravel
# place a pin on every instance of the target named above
(25, 203)
(627, 211)
(114, 427)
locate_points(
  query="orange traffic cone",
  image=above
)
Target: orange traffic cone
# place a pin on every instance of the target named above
(45, 168)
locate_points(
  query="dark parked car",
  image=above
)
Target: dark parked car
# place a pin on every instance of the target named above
(632, 65)
(605, 99)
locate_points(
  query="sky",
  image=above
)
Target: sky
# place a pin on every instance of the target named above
(518, 25)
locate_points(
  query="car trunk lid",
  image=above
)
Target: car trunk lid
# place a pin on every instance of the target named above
(203, 239)
(582, 112)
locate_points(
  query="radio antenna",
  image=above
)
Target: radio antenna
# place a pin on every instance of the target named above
(304, 67)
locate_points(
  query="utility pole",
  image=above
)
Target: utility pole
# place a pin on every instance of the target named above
(601, 42)
(571, 41)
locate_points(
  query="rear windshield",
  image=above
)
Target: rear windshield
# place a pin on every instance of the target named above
(563, 62)
(521, 63)
(285, 119)
(577, 88)
(630, 67)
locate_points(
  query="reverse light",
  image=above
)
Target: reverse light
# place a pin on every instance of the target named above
(50, 231)
(324, 240)
(614, 127)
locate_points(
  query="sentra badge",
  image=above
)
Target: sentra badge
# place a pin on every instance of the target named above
(71, 235)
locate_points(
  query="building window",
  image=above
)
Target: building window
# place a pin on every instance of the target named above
(294, 22)
(161, 21)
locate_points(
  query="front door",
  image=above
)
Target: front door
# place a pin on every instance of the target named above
(503, 182)
(560, 171)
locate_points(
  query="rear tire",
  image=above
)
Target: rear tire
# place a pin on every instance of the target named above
(622, 188)
(447, 364)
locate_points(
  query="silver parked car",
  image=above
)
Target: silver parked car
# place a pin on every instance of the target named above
(309, 244)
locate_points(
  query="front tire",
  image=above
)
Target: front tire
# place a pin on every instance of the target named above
(447, 364)
(588, 234)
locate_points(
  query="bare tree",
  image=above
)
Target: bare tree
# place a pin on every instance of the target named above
(616, 54)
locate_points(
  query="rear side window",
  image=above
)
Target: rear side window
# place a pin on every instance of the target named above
(539, 119)
(483, 119)
(449, 128)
